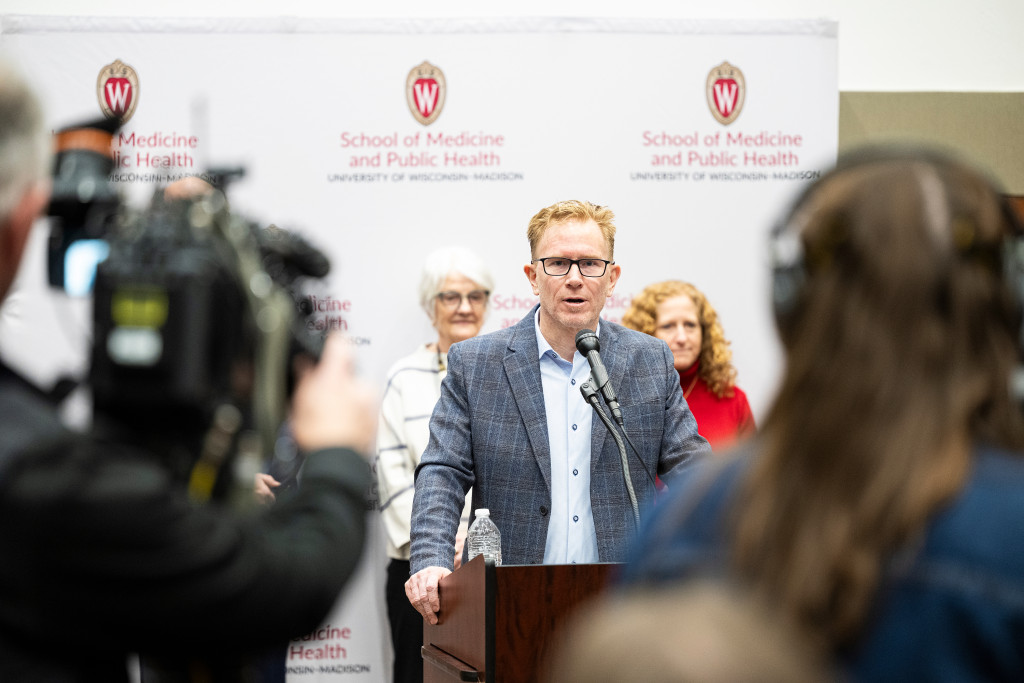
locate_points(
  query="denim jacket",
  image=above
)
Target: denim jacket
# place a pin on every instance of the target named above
(951, 606)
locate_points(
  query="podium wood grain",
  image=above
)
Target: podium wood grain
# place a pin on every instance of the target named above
(496, 623)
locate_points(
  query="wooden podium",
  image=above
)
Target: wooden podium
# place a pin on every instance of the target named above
(495, 623)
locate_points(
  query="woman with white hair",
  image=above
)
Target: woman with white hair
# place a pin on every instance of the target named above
(455, 287)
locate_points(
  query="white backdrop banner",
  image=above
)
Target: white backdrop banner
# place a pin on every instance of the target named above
(381, 140)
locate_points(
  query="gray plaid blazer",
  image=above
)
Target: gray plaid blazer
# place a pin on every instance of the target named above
(489, 431)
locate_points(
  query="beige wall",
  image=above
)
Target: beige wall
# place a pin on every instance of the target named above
(985, 127)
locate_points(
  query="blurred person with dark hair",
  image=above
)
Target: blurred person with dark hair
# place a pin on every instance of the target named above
(454, 289)
(103, 553)
(697, 632)
(881, 505)
(680, 315)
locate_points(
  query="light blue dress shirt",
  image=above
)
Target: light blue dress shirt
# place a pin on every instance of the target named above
(572, 537)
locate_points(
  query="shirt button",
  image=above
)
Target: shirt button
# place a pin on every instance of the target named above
(574, 428)
(575, 518)
(572, 382)
(575, 472)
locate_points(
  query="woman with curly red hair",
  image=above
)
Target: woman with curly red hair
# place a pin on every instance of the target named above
(680, 314)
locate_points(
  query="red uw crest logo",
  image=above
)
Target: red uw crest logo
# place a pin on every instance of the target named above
(117, 89)
(726, 91)
(424, 91)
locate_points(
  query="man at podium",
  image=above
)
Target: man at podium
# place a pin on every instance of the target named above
(513, 423)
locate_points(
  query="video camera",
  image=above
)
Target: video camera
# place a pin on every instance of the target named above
(197, 313)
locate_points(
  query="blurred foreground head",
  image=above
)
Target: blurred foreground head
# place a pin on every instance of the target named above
(24, 141)
(24, 172)
(695, 632)
(897, 281)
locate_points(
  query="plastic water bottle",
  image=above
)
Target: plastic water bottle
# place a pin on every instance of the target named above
(484, 538)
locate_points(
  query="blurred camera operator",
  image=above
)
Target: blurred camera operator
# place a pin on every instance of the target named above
(103, 555)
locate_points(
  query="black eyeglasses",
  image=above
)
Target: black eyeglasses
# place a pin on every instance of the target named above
(477, 298)
(557, 266)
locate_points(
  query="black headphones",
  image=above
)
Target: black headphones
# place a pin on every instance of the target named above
(1013, 264)
(786, 250)
(790, 271)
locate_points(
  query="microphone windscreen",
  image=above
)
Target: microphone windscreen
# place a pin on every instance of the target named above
(587, 341)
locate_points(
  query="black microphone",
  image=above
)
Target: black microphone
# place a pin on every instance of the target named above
(589, 345)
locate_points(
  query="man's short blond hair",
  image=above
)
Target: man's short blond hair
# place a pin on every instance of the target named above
(571, 211)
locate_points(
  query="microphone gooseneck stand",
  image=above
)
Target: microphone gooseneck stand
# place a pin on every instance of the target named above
(591, 397)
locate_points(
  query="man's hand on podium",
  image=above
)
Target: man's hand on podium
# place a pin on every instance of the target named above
(421, 589)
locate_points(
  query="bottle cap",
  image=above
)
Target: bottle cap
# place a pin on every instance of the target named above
(483, 512)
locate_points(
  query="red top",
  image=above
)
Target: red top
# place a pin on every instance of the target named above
(719, 420)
